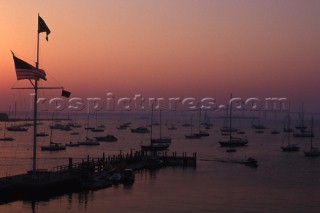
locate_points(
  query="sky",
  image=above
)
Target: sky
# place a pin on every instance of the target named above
(167, 48)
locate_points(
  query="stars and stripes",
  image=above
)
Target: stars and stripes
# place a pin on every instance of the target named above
(27, 71)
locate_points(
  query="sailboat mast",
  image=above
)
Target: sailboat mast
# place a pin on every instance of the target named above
(35, 108)
(15, 111)
(230, 118)
(191, 120)
(87, 132)
(4, 130)
(51, 128)
(199, 118)
(311, 133)
(160, 125)
(151, 122)
(288, 128)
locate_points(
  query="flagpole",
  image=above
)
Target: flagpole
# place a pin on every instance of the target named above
(35, 112)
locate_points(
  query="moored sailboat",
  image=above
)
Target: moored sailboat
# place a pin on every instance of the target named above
(232, 141)
(289, 147)
(6, 138)
(154, 146)
(140, 129)
(192, 135)
(17, 128)
(53, 147)
(88, 141)
(313, 151)
(107, 138)
(201, 133)
(161, 139)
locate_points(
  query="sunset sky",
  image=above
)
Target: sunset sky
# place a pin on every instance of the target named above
(167, 48)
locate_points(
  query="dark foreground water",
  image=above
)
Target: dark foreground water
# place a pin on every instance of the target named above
(283, 182)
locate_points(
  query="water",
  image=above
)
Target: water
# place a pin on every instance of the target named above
(283, 182)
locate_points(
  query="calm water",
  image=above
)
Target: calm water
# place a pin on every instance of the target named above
(283, 182)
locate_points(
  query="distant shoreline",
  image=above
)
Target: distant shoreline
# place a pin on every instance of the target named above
(39, 119)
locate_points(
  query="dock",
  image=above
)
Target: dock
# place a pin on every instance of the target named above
(133, 160)
(90, 173)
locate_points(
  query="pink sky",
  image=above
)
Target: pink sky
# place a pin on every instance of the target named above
(168, 48)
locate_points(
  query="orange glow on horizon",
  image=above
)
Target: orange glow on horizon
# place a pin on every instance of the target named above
(169, 48)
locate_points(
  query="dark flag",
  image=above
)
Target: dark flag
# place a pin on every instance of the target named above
(65, 93)
(42, 27)
(27, 71)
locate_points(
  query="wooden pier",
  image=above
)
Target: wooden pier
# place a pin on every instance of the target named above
(87, 174)
(134, 160)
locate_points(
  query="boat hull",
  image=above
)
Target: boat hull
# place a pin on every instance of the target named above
(234, 143)
(290, 148)
(312, 153)
(108, 138)
(161, 140)
(154, 147)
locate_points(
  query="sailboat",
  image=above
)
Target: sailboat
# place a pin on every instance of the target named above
(154, 146)
(304, 132)
(290, 147)
(200, 132)
(98, 128)
(207, 121)
(140, 129)
(107, 138)
(6, 138)
(124, 125)
(232, 141)
(192, 135)
(226, 129)
(313, 152)
(257, 125)
(53, 146)
(88, 127)
(59, 126)
(161, 139)
(16, 128)
(172, 127)
(88, 141)
(301, 125)
(42, 134)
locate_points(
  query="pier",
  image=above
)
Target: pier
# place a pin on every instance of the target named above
(133, 160)
(88, 174)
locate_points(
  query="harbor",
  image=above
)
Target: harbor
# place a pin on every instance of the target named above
(160, 172)
(159, 106)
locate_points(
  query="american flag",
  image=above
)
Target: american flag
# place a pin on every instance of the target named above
(27, 71)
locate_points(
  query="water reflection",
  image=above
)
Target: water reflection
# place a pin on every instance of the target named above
(73, 202)
(283, 183)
